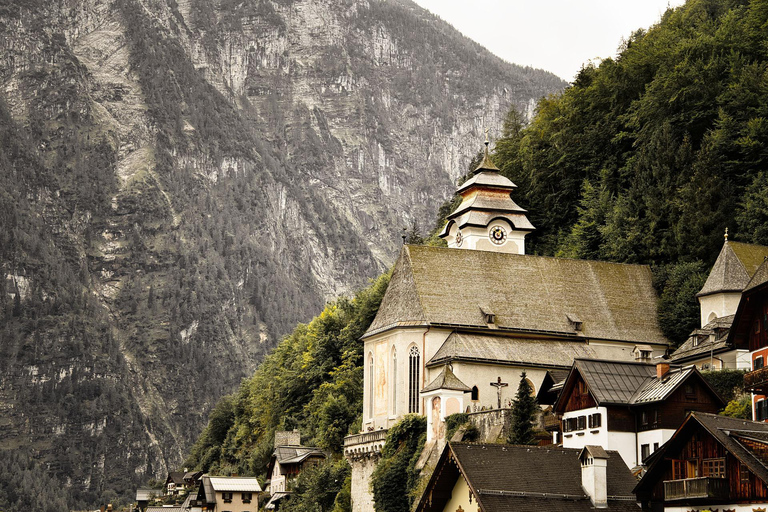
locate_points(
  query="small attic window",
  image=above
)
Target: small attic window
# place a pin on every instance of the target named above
(575, 321)
(490, 318)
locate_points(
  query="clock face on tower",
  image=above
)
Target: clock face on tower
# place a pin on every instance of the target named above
(459, 239)
(497, 235)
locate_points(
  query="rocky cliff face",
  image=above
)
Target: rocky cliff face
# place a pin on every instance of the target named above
(184, 180)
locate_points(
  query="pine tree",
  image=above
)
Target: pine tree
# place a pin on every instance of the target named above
(524, 414)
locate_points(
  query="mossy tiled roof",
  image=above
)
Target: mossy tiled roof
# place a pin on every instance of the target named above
(439, 286)
(734, 267)
(446, 379)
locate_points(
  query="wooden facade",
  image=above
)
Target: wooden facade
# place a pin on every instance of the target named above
(580, 398)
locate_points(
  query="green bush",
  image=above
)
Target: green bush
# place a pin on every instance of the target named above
(396, 476)
(729, 384)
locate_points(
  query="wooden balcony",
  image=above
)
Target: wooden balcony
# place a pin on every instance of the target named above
(696, 488)
(757, 381)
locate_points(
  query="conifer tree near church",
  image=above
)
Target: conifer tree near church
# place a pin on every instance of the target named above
(524, 412)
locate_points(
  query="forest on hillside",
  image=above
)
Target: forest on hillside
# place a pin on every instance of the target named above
(645, 158)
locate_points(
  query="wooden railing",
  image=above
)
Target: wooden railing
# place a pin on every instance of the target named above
(756, 380)
(693, 488)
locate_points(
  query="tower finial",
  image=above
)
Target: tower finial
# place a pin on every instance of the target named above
(726, 234)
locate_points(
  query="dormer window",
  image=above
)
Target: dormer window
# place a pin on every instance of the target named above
(488, 315)
(575, 321)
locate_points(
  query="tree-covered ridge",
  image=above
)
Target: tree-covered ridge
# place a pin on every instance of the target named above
(312, 380)
(649, 156)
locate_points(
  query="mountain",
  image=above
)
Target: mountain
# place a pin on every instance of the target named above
(185, 180)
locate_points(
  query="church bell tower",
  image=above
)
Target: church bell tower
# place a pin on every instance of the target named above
(487, 218)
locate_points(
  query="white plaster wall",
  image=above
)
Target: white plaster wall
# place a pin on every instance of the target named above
(589, 436)
(721, 304)
(477, 238)
(392, 404)
(624, 443)
(660, 435)
(481, 375)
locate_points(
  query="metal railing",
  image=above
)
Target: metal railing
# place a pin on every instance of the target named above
(692, 488)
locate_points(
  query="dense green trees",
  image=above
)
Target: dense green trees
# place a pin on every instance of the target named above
(311, 381)
(648, 157)
(525, 413)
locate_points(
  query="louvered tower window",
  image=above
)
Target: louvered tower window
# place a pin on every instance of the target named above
(414, 366)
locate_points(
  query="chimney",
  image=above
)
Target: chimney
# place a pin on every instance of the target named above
(594, 464)
(662, 369)
(287, 438)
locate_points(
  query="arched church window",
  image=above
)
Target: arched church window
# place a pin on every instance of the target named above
(414, 366)
(475, 393)
(393, 376)
(370, 385)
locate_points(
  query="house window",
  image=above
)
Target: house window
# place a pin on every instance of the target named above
(570, 424)
(761, 410)
(644, 418)
(678, 469)
(690, 391)
(581, 423)
(692, 468)
(743, 473)
(655, 446)
(759, 362)
(227, 497)
(414, 367)
(714, 468)
(475, 393)
(645, 451)
(595, 420)
(393, 373)
(247, 497)
(370, 385)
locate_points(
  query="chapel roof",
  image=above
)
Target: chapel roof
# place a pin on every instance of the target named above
(445, 287)
(534, 478)
(734, 267)
(461, 346)
(760, 276)
(487, 180)
(446, 379)
(701, 340)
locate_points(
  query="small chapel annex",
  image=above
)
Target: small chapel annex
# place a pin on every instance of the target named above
(458, 325)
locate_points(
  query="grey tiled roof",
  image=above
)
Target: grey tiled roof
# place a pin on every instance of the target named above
(446, 379)
(295, 454)
(483, 218)
(735, 265)
(691, 349)
(505, 349)
(235, 483)
(615, 382)
(432, 285)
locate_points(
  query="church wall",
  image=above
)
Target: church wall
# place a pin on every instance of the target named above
(621, 351)
(390, 388)
(719, 305)
(362, 469)
(481, 375)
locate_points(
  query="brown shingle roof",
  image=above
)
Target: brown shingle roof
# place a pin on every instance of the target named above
(432, 285)
(533, 478)
(508, 350)
(735, 265)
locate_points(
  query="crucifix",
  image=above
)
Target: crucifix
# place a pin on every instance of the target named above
(498, 385)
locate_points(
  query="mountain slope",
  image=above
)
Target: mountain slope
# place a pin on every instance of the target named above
(185, 181)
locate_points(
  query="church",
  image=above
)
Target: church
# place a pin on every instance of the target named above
(458, 325)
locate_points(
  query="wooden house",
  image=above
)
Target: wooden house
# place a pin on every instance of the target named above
(288, 460)
(750, 328)
(711, 463)
(629, 407)
(505, 478)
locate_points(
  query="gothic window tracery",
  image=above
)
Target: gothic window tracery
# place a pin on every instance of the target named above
(414, 366)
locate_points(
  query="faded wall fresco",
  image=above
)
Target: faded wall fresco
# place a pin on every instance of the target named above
(380, 386)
